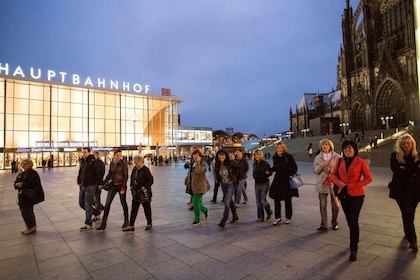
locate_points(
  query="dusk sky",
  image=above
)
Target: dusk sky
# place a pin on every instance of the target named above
(236, 63)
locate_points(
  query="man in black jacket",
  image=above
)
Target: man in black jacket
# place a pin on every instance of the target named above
(88, 180)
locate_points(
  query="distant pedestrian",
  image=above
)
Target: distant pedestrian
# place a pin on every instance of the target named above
(284, 165)
(405, 185)
(14, 166)
(310, 151)
(351, 174)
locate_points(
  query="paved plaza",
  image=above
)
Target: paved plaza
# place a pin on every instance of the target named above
(176, 250)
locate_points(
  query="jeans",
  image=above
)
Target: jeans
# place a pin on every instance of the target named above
(228, 190)
(351, 207)
(239, 191)
(197, 200)
(323, 201)
(97, 200)
(135, 205)
(111, 194)
(86, 195)
(260, 197)
(287, 205)
(215, 191)
(28, 215)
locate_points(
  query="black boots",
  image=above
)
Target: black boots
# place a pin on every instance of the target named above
(103, 224)
(125, 222)
(234, 219)
(353, 256)
(222, 223)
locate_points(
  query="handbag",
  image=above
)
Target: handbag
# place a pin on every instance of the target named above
(142, 195)
(296, 181)
(107, 186)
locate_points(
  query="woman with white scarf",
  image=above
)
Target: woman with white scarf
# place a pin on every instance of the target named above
(324, 164)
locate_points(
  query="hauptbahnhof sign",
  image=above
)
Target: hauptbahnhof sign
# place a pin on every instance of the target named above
(74, 79)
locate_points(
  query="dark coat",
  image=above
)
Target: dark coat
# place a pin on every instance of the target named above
(141, 177)
(284, 166)
(243, 169)
(118, 173)
(89, 174)
(405, 177)
(31, 192)
(101, 170)
(259, 171)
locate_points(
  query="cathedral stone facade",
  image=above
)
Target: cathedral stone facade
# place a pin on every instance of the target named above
(377, 68)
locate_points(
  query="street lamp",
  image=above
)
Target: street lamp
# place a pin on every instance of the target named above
(385, 120)
(134, 122)
(289, 134)
(344, 125)
(305, 131)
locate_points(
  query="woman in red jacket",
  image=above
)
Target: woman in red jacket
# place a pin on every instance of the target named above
(351, 174)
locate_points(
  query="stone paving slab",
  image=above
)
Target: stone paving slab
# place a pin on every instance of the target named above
(174, 249)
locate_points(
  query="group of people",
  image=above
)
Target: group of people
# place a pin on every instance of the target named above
(91, 181)
(342, 177)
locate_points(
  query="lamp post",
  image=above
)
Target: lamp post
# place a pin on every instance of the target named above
(385, 120)
(134, 121)
(289, 134)
(343, 126)
(305, 130)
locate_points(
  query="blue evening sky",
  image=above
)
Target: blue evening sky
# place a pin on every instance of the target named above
(236, 63)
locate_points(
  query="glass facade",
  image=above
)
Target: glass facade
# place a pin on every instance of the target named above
(53, 121)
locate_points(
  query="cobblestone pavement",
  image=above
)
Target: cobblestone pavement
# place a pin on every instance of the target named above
(174, 249)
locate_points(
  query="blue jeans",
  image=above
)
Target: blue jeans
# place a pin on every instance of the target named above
(228, 190)
(260, 197)
(239, 191)
(86, 195)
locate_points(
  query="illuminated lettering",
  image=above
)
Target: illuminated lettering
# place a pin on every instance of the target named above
(88, 82)
(35, 76)
(101, 83)
(63, 76)
(18, 71)
(76, 79)
(113, 84)
(126, 86)
(137, 88)
(5, 68)
(50, 74)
